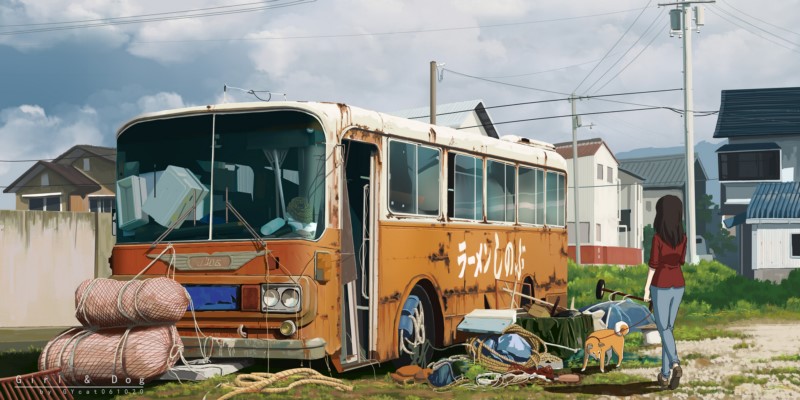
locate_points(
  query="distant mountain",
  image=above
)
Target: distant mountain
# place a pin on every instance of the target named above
(705, 151)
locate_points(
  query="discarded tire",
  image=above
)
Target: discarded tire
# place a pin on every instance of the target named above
(117, 356)
(107, 303)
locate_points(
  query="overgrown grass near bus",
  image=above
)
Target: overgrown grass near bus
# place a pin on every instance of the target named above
(714, 295)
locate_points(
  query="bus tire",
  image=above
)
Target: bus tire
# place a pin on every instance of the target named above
(417, 331)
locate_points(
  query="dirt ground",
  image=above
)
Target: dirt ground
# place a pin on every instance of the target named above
(766, 365)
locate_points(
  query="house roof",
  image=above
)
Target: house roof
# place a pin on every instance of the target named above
(625, 171)
(759, 112)
(107, 153)
(70, 174)
(586, 147)
(662, 171)
(452, 115)
(775, 200)
(729, 148)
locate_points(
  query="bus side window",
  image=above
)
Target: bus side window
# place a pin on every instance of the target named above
(414, 178)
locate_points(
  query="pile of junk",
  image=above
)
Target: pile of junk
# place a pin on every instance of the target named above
(531, 342)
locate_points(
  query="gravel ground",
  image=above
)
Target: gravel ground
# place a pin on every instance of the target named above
(724, 368)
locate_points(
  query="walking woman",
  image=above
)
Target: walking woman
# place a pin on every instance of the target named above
(665, 282)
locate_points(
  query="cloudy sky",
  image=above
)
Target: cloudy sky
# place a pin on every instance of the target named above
(73, 70)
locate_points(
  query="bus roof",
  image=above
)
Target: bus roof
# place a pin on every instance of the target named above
(338, 117)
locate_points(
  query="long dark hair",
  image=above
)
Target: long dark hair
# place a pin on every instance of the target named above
(669, 220)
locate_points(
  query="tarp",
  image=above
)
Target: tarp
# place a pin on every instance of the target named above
(569, 332)
(633, 314)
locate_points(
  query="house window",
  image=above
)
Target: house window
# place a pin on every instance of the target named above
(625, 218)
(500, 191)
(648, 205)
(101, 204)
(600, 172)
(45, 203)
(85, 164)
(413, 179)
(750, 166)
(597, 231)
(610, 175)
(796, 245)
(45, 179)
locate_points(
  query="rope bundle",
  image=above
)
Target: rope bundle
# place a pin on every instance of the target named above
(260, 382)
(496, 362)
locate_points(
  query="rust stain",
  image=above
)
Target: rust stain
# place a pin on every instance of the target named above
(552, 281)
(395, 297)
(432, 135)
(440, 256)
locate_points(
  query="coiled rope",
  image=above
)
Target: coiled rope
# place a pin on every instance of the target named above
(260, 382)
(496, 362)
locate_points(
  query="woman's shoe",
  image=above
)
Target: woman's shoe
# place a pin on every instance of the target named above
(663, 381)
(675, 380)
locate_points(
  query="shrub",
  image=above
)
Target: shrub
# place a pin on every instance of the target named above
(793, 304)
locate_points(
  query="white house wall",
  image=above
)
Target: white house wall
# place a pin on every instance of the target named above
(598, 199)
(631, 199)
(606, 200)
(652, 196)
(772, 246)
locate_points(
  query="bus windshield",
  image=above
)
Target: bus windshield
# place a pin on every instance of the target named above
(174, 173)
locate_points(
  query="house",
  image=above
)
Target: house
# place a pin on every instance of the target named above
(762, 127)
(469, 116)
(773, 216)
(600, 213)
(80, 179)
(631, 209)
(664, 175)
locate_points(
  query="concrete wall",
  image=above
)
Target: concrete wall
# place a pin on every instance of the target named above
(44, 256)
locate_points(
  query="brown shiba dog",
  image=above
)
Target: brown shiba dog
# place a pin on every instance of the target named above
(600, 342)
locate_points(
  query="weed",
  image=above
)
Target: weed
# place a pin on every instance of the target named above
(742, 345)
(737, 380)
(787, 357)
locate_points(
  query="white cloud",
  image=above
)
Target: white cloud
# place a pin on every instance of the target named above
(159, 102)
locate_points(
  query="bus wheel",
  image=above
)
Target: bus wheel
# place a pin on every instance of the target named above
(417, 331)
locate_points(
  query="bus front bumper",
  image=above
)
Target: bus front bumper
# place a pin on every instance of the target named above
(308, 349)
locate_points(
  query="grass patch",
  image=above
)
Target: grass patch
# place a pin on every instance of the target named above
(612, 378)
(693, 331)
(742, 345)
(698, 356)
(737, 380)
(18, 362)
(703, 384)
(779, 370)
(787, 357)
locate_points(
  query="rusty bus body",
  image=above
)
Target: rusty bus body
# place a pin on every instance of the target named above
(377, 247)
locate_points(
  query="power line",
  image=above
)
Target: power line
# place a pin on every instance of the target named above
(751, 32)
(756, 26)
(560, 116)
(612, 47)
(547, 101)
(649, 27)
(388, 33)
(760, 20)
(634, 58)
(146, 18)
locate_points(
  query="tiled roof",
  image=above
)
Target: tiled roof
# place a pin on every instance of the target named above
(662, 171)
(775, 200)
(70, 174)
(759, 112)
(586, 147)
(108, 153)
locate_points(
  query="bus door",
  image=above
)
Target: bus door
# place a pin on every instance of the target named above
(359, 306)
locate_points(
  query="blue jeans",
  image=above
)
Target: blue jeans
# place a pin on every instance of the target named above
(665, 308)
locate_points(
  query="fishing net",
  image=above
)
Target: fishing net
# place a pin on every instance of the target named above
(106, 303)
(112, 356)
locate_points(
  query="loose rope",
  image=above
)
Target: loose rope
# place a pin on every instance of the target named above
(496, 362)
(259, 382)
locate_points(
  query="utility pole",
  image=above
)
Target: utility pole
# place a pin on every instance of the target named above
(433, 93)
(681, 20)
(577, 229)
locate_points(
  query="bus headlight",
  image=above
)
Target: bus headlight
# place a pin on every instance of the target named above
(290, 298)
(281, 298)
(271, 297)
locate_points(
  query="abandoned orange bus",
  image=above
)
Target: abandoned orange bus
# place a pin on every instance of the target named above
(311, 230)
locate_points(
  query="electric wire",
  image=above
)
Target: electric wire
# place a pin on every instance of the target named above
(389, 33)
(561, 116)
(756, 26)
(115, 22)
(620, 58)
(613, 47)
(634, 58)
(712, 10)
(759, 19)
